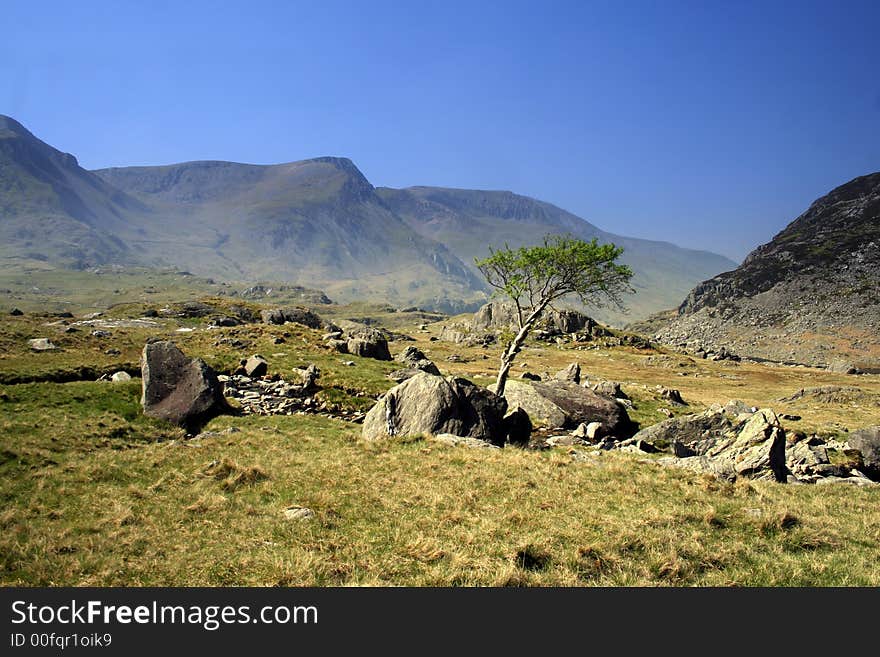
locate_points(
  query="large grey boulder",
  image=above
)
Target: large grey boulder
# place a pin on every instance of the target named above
(867, 442)
(430, 404)
(562, 404)
(178, 389)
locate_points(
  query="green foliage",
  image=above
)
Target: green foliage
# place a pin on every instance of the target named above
(535, 276)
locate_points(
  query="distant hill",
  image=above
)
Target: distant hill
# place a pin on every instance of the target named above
(810, 295)
(317, 223)
(468, 222)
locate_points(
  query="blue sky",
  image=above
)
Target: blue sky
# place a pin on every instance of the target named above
(709, 124)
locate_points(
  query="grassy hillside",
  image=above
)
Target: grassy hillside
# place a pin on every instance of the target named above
(97, 494)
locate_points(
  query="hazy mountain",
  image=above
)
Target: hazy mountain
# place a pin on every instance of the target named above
(317, 223)
(811, 294)
(471, 221)
(52, 209)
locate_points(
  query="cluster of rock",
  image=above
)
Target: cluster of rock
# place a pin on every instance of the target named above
(426, 403)
(261, 395)
(736, 441)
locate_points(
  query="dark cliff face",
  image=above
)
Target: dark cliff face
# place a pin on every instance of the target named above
(839, 232)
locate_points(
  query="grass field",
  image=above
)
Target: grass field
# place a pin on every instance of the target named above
(94, 493)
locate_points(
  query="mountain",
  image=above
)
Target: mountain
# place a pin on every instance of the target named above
(810, 295)
(468, 222)
(317, 223)
(53, 209)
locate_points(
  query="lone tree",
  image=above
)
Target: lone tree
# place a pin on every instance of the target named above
(534, 277)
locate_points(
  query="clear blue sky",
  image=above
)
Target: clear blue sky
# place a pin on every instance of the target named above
(709, 124)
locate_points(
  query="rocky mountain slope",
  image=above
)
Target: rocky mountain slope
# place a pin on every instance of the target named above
(53, 209)
(471, 221)
(317, 223)
(810, 295)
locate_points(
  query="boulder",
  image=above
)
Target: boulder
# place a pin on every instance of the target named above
(178, 389)
(120, 377)
(368, 343)
(867, 442)
(430, 404)
(415, 359)
(571, 373)
(41, 344)
(757, 452)
(697, 432)
(256, 366)
(16, 312)
(560, 404)
(296, 315)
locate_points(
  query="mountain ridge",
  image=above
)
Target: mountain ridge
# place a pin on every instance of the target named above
(317, 222)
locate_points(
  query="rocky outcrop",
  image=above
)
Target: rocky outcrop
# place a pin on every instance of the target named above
(429, 404)
(178, 389)
(561, 404)
(301, 316)
(790, 298)
(499, 315)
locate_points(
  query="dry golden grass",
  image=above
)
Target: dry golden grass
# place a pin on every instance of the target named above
(96, 494)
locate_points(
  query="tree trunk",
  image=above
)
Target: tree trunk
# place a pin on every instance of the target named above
(515, 345)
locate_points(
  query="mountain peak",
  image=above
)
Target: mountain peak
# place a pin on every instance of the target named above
(8, 124)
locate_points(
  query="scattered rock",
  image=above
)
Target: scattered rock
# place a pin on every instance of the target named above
(298, 513)
(462, 441)
(415, 359)
(610, 389)
(178, 389)
(98, 333)
(41, 344)
(528, 376)
(16, 312)
(673, 396)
